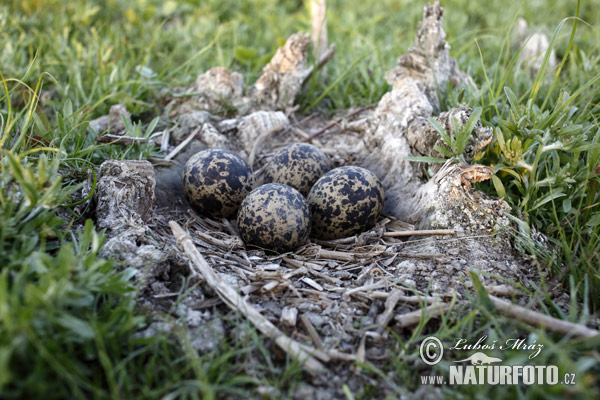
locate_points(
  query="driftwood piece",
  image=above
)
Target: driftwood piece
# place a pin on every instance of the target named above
(399, 127)
(428, 62)
(281, 79)
(124, 195)
(254, 128)
(536, 319)
(237, 303)
(124, 198)
(219, 88)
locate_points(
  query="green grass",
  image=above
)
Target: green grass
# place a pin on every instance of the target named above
(68, 317)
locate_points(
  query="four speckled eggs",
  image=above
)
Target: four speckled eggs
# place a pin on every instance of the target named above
(277, 216)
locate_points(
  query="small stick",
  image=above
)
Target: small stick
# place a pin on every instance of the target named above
(442, 259)
(270, 286)
(346, 240)
(164, 141)
(343, 256)
(390, 304)
(237, 303)
(258, 142)
(423, 232)
(121, 140)
(297, 271)
(500, 290)
(181, 145)
(300, 264)
(412, 318)
(327, 55)
(226, 244)
(406, 299)
(361, 353)
(377, 285)
(312, 283)
(160, 161)
(536, 319)
(338, 355)
(312, 332)
(335, 255)
(166, 295)
(338, 121)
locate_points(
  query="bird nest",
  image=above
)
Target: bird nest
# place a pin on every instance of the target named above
(333, 300)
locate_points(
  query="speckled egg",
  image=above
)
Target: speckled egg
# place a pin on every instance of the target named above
(274, 217)
(298, 165)
(344, 202)
(215, 182)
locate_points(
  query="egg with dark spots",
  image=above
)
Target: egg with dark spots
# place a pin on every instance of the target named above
(215, 182)
(344, 202)
(274, 217)
(298, 165)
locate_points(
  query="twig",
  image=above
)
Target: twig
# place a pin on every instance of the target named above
(312, 332)
(299, 264)
(164, 140)
(390, 304)
(319, 27)
(335, 242)
(345, 256)
(501, 290)
(406, 299)
(335, 255)
(536, 319)
(258, 142)
(361, 353)
(423, 232)
(327, 55)
(237, 303)
(225, 244)
(377, 285)
(121, 140)
(182, 145)
(338, 355)
(338, 121)
(312, 283)
(414, 317)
